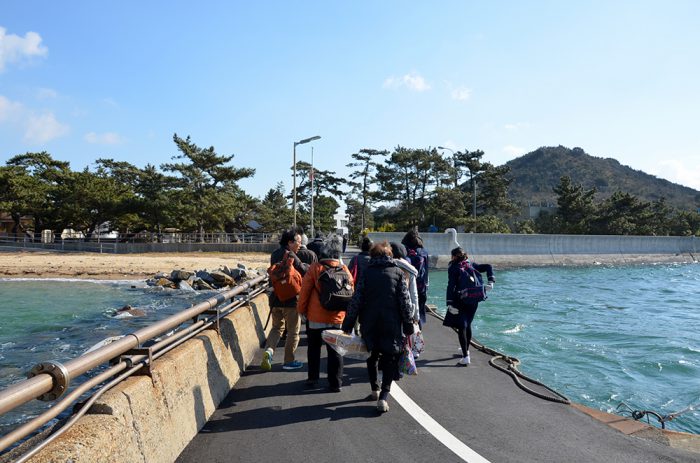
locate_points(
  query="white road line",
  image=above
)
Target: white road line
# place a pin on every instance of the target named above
(433, 427)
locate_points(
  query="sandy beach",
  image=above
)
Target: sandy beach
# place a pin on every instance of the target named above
(26, 264)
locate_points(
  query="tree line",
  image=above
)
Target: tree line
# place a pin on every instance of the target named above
(198, 192)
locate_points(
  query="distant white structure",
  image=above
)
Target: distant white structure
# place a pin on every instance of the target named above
(341, 222)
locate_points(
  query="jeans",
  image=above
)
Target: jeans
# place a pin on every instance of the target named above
(281, 317)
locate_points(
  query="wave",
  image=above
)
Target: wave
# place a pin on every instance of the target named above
(517, 329)
(79, 280)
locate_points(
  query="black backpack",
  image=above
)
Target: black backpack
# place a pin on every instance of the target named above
(335, 288)
(470, 286)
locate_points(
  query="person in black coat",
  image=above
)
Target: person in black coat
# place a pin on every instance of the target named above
(359, 262)
(383, 306)
(460, 313)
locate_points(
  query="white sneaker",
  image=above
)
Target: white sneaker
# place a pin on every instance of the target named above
(464, 361)
(374, 395)
(383, 406)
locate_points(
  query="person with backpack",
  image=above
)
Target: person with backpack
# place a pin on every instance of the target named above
(360, 261)
(325, 294)
(418, 257)
(286, 272)
(383, 307)
(465, 289)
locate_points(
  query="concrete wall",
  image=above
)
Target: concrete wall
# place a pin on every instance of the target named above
(146, 419)
(514, 249)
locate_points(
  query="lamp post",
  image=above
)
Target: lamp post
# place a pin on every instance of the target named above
(312, 192)
(300, 142)
(454, 163)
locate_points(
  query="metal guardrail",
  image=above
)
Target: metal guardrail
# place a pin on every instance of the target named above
(51, 380)
(124, 242)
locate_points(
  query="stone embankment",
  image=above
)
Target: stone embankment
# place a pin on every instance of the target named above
(224, 277)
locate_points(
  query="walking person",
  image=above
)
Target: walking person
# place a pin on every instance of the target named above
(320, 318)
(418, 257)
(284, 312)
(306, 255)
(360, 261)
(464, 291)
(383, 306)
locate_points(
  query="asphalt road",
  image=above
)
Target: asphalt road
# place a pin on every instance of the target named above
(270, 416)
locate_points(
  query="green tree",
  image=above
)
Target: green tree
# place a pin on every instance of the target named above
(274, 212)
(362, 178)
(39, 176)
(359, 218)
(576, 207)
(207, 188)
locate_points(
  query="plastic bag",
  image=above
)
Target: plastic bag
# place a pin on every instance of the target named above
(407, 363)
(347, 345)
(418, 342)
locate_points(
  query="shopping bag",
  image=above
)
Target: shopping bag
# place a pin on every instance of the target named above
(348, 345)
(407, 363)
(418, 342)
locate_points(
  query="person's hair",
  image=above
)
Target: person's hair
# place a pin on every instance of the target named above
(287, 236)
(332, 247)
(366, 244)
(381, 249)
(459, 253)
(398, 249)
(412, 240)
(304, 239)
(319, 234)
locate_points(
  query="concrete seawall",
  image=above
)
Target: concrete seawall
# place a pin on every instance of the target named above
(528, 250)
(152, 419)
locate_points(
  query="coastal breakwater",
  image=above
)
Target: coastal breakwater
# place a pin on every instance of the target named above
(153, 418)
(515, 250)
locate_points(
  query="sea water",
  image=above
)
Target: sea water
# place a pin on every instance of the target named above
(601, 335)
(42, 320)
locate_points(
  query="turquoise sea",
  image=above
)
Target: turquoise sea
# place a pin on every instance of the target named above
(601, 335)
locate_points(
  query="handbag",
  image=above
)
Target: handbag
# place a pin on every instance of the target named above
(407, 363)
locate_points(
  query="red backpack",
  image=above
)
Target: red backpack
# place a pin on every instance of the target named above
(285, 278)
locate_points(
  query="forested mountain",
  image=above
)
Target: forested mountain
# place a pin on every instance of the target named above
(536, 173)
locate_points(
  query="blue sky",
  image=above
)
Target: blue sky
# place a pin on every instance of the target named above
(86, 79)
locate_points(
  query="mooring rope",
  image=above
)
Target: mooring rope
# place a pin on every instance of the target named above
(511, 369)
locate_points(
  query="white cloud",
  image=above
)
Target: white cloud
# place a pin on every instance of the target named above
(38, 128)
(678, 172)
(514, 150)
(9, 110)
(107, 138)
(44, 128)
(461, 93)
(516, 126)
(14, 48)
(412, 81)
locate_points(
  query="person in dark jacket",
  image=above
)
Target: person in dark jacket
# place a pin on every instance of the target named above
(382, 304)
(460, 314)
(418, 257)
(317, 243)
(284, 313)
(359, 262)
(306, 255)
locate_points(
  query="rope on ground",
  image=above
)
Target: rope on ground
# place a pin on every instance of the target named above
(510, 367)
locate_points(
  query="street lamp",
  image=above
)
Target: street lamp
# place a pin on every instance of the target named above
(454, 163)
(300, 142)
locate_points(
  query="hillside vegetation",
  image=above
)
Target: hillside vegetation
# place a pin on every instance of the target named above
(536, 173)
